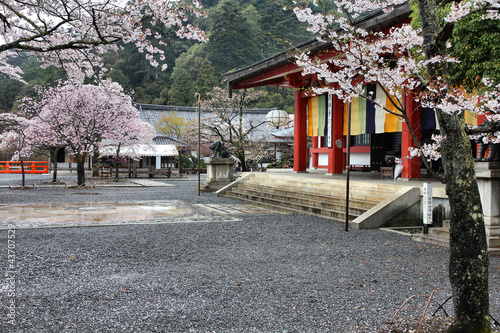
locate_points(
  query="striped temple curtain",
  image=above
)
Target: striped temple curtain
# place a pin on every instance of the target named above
(317, 116)
(366, 117)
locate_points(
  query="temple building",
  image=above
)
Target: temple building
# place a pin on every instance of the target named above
(376, 135)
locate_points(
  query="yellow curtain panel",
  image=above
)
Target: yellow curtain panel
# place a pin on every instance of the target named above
(470, 118)
(316, 115)
(392, 122)
(355, 119)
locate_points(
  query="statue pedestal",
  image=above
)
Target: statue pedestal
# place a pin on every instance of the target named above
(488, 181)
(220, 173)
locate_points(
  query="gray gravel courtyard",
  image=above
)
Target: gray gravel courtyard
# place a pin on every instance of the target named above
(250, 271)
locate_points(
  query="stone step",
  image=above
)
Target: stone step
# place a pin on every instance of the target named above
(324, 186)
(440, 233)
(355, 208)
(295, 195)
(321, 197)
(278, 205)
(429, 239)
(355, 193)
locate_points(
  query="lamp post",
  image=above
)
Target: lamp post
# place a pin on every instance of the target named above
(197, 95)
(277, 118)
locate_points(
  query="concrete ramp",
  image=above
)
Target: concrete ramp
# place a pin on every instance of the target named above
(386, 210)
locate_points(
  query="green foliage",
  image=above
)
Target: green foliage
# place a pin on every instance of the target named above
(284, 161)
(206, 79)
(182, 91)
(476, 43)
(280, 98)
(117, 75)
(186, 162)
(232, 43)
(9, 89)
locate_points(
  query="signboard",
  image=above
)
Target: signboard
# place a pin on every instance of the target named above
(329, 108)
(427, 203)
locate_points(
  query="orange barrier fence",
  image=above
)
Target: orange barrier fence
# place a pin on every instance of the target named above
(29, 167)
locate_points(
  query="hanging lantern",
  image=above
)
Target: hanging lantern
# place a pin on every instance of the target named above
(277, 118)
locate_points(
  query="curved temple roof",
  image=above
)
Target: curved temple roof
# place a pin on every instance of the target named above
(280, 70)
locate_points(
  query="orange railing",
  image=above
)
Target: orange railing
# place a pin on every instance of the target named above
(29, 167)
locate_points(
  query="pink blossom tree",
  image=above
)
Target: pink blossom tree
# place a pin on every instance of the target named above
(408, 65)
(82, 117)
(73, 33)
(13, 139)
(137, 136)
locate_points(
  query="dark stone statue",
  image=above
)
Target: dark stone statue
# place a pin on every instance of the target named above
(218, 150)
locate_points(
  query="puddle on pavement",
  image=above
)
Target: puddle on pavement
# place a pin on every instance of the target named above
(83, 214)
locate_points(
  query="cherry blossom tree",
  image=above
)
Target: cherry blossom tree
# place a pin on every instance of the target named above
(74, 33)
(82, 117)
(137, 135)
(409, 65)
(225, 122)
(13, 138)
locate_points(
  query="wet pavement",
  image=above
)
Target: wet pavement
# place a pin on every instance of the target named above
(107, 213)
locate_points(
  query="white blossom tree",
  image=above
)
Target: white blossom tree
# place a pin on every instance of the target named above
(82, 117)
(410, 65)
(225, 122)
(14, 139)
(74, 33)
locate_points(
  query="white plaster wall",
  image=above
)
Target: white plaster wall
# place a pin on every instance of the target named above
(360, 158)
(323, 159)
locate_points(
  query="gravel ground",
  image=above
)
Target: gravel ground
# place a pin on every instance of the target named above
(267, 272)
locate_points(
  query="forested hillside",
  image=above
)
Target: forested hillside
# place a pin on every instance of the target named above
(240, 32)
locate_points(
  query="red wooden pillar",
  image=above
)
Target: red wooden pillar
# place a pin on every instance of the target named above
(300, 133)
(411, 166)
(335, 158)
(314, 156)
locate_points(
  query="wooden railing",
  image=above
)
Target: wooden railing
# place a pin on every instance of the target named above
(29, 167)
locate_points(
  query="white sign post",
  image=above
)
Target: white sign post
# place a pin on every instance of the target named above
(427, 206)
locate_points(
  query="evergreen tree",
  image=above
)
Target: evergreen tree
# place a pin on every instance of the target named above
(476, 43)
(206, 79)
(182, 90)
(232, 42)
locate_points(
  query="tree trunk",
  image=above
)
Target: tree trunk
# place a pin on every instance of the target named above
(23, 176)
(117, 171)
(241, 157)
(80, 169)
(95, 164)
(468, 269)
(53, 157)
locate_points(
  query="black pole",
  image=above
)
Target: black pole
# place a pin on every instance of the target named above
(348, 158)
(199, 143)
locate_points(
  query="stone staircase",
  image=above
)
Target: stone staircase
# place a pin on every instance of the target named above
(321, 197)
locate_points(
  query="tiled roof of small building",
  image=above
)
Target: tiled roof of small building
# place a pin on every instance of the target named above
(151, 113)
